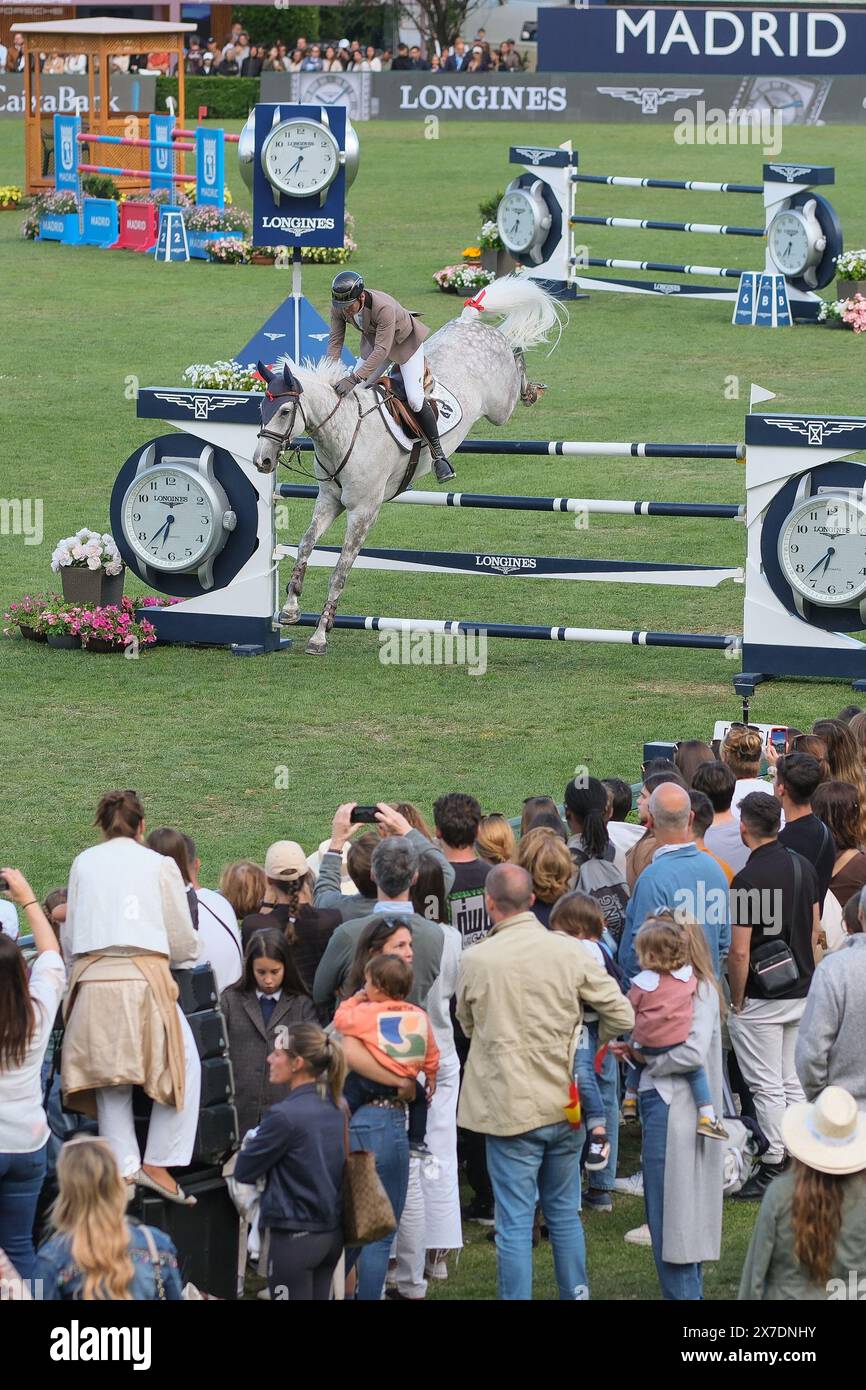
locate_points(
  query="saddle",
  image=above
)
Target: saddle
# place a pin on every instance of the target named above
(393, 400)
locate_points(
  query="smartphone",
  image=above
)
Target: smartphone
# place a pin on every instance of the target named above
(779, 739)
(364, 815)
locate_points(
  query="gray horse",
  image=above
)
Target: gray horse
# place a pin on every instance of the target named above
(358, 463)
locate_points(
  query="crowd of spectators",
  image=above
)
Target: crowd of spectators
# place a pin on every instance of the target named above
(240, 57)
(481, 998)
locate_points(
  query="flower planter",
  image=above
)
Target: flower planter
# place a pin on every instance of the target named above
(31, 635)
(91, 588)
(101, 645)
(63, 641)
(500, 262)
(257, 259)
(847, 289)
(10, 207)
(199, 241)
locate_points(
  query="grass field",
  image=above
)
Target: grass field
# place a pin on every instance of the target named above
(201, 734)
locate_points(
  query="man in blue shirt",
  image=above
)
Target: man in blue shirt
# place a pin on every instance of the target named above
(680, 878)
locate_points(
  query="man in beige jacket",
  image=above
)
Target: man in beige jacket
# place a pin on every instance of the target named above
(519, 1000)
(389, 333)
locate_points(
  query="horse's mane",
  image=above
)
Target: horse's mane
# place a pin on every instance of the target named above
(323, 370)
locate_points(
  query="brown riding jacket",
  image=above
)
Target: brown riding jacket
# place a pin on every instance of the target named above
(388, 333)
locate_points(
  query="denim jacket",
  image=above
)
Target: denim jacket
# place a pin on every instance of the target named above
(63, 1280)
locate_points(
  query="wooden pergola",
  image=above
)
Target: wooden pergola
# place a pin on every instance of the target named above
(101, 40)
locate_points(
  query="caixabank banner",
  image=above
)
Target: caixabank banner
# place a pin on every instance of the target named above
(804, 43)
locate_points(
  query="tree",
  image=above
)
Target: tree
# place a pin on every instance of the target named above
(439, 21)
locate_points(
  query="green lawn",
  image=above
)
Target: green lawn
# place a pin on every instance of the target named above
(203, 735)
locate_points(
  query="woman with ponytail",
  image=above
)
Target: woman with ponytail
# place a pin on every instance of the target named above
(586, 813)
(810, 1236)
(300, 1148)
(95, 1254)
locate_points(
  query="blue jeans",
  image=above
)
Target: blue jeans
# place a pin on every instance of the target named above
(679, 1282)
(540, 1165)
(382, 1130)
(697, 1079)
(608, 1084)
(21, 1178)
(591, 1101)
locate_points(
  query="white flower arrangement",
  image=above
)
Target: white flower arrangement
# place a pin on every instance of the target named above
(87, 550)
(489, 238)
(223, 376)
(851, 265)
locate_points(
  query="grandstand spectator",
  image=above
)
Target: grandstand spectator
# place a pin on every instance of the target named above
(75, 64)
(273, 62)
(311, 60)
(457, 57)
(417, 62)
(232, 42)
(53, 65)
(478, 60)
(509, 59)
(193, 62)
(371, 62)
(15, 59)
(242, 46)
(229, 66)
(330, 61)
(252, 64)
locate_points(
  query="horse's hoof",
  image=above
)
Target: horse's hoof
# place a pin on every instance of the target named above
(287, 617)
(314, 648)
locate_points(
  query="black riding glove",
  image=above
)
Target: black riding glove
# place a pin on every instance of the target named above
(347, 384)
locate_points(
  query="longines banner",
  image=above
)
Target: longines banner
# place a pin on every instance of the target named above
(528, 96)
(68, 95)
(692, 40)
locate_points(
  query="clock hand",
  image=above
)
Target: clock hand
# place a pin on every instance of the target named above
(163, 527)
(824, 560)
(169, 522)
(297, 164)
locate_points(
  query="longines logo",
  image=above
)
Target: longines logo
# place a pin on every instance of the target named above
(298, 226)
(649, 99)
(791, 173)
(816, 431)
(169, 501)
(201, 406)
(505, 564)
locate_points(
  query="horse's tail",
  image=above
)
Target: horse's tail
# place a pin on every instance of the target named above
(529, 314)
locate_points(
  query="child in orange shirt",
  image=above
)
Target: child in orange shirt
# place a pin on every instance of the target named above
(398, 1035)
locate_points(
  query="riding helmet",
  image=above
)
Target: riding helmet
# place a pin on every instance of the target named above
(346, 288)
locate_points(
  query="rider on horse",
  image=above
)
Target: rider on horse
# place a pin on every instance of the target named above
(388, 333)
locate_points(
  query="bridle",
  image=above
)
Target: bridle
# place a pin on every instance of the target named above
(312, 430)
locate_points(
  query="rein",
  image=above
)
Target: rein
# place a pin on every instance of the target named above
(312, 430)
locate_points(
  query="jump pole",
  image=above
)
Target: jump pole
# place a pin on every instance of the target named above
(613, 636)
(574, 448)
(584, 505)
(127, 173)
(128, 140)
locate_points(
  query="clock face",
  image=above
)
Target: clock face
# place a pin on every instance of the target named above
(822, 550)
(301, 158)
(516, 220)
(790, 243)
(169, 518)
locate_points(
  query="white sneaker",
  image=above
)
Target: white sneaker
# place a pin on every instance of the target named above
(632, 1187)
(639, 1236)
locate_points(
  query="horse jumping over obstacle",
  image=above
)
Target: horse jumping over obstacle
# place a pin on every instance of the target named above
(358, 463)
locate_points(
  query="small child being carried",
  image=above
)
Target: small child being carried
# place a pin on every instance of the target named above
(398, 1036)
(662, 997)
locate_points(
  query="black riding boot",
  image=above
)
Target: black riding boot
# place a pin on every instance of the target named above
(426, 418)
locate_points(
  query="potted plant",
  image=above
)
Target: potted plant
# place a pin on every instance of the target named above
(228, 250)
(206, 224)
(10, 197)
(844, 313)
(493, 254)
(61, 623)
(263, 255)
(90, 568)
(26, 616)
(223, 376)
(851, 273)
(53, 217)
(456, 279)
(113, 628)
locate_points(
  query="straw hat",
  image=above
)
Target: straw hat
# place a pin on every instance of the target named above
(829, 1135)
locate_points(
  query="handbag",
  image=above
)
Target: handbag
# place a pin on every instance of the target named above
(368, 1215)
(154, 1260)
(772, 965)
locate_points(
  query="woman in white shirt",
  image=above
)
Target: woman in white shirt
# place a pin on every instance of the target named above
(27, 1011)
(741, 749)
(128, 921)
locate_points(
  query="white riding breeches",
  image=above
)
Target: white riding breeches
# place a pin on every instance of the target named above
(412, 373)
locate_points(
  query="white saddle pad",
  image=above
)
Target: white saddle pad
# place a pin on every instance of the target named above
(450, 415)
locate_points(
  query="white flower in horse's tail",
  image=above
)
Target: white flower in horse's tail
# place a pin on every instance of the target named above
(529, 314)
